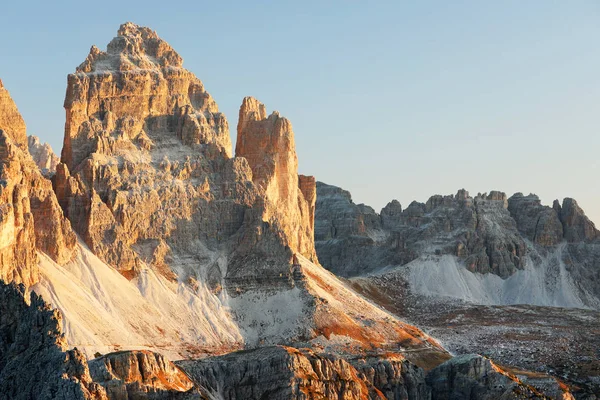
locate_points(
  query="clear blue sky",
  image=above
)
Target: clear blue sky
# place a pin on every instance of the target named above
(387, 99)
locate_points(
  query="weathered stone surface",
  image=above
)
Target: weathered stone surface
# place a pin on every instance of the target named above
(577, 227)
(30, 216)
(540, 224)
(353, 239)
(43, 155)
(268, 145)
(287, 373)
(477, 378)
(34, 362)
(139, 374)
(147, 174)
(11, 120)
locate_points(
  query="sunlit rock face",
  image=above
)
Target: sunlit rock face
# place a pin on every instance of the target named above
(34, 360)
(11, 120)
(140, 375)
(147, 174)
(43, 155)
(268, 145)
(30, 216)
(282, 373)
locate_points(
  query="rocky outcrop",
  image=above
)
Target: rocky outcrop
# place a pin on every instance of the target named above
(540, 224)
(489, 233)
(11, 120)
(147, 175)
(144, 191)
(34, 361)
(289, 373)
(139, 375)
(576, 226)
(43, 156)
(353, 239)
(268, 145)
(30, 216)
(475, 377)
(137, 85)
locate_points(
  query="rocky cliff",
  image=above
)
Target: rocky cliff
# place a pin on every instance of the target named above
(190, 251)
(282, 373)
(30, 216)
(34, 360)
(43, 155)
(140, 375)
(353, 239)
(148, 182)
(487, 234)
(147, 174)
(475, 377)
(11, 120)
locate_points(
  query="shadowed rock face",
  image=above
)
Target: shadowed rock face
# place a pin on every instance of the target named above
(34, 362)
(353, 239)
(488, 232)
(282, 373)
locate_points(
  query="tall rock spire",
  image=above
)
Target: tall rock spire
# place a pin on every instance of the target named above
(268, 145)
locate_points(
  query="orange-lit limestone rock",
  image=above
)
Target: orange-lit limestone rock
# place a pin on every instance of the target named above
(30, 216)
(148, 175)
(138, 85)
(11, 120)
(139, 374)
(268, 145)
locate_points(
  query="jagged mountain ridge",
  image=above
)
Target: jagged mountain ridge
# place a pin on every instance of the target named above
(488, 249)
(143, 140)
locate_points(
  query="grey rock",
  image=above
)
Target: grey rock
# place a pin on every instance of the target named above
(34, 363)
(475, 377)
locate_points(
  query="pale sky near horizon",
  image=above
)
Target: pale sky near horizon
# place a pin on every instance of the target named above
(388, 99)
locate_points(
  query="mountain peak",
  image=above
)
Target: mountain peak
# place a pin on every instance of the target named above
(134, 48)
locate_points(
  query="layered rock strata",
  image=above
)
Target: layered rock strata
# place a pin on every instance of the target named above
(288, 373)
(34, 360)
(475, 377)
(43, 155)
(139, 375)
(11, 120)
(30, 216)
(147, 176)
(488, 233)
(353, 239)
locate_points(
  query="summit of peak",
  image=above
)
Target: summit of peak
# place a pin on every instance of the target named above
(134, 48)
